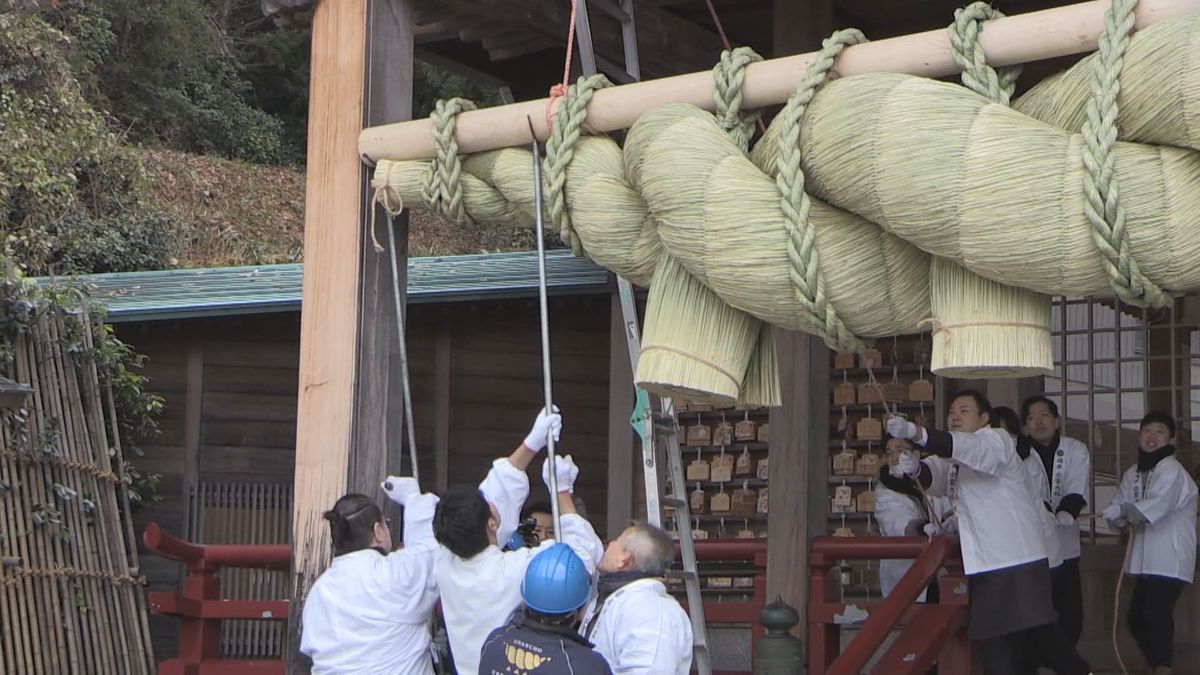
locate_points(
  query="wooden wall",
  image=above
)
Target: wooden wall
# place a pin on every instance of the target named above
(476, 378)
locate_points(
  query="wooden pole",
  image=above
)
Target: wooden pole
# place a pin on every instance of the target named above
(360, 50)
(1022, 38)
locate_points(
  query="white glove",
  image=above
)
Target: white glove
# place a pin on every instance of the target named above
(400, 490)
(1112, 513)
(542, 427)
(909, 465)
(930, 529)
(1064, 519)
(564, 469)
(898, 427)
(950, 525)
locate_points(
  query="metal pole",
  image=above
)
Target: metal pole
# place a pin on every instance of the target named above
(403, 339)
(545, 324)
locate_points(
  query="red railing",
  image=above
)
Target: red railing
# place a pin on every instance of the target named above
(200, 608)
(754, 552)
(930, 632)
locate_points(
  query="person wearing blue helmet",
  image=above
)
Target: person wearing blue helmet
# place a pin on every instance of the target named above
(540, 636)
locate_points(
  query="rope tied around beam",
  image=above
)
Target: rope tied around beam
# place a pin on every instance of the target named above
(560, 150)
(728, 76)
(977, 75)
(443, 187)
(1100, 186)
(69, 464)
(17, 573)
(805, 270)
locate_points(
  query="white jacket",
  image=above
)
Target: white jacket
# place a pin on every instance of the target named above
(1039, 485)
(479, 594)
(894, 511)
(1166, 496)
(641, 630)
(1071, 469)
(997, 524)
(369, 613)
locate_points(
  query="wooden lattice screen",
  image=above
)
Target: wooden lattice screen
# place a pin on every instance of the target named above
(70, 594)
(246, 513)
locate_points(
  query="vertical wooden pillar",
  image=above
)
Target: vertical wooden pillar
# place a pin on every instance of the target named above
(361, 74)
(192, 418)
(443, 361)
(621, 458)
(799, 466)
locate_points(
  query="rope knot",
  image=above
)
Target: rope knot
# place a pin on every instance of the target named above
(443, 189)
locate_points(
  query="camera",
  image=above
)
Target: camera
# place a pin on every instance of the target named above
(525, 536)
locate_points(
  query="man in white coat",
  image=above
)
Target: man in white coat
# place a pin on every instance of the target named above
(633, 622)
(369, 612)
(1157, 498)
(1068, 469)
(901, 511)
(480, 585)
(1003, 548)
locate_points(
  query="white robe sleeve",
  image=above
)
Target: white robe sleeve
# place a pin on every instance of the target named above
(985, 451)
(939, 470)
(1167, 485)
(578, 533)
(894, 511)
(409, 579)
(506, 488)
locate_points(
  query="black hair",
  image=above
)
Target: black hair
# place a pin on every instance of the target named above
(1038, 398)
(460, 521)
(535, 507)
(908, 441)
(566, 619)
(1004, 417)
(981, 401)
(352, 523)
(1162, 418)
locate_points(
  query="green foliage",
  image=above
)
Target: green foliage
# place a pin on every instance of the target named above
(431, 83)
(118, 365)
(70, 195)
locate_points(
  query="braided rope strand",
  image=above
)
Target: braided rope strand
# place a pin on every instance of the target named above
(560, 150)
(977, 75)
(728, 76)
(1101, 188)
(805, 270)
(443, 189)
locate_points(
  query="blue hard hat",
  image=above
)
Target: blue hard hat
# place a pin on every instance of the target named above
(556, 581)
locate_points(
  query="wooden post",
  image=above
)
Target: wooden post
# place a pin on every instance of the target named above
(799, 466)
(361, 71)
(621, 459)
(443, 362)
(192, 418)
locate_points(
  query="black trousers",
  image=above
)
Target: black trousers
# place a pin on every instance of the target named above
(1151, 617)
(1005, 654)
(1068, 598)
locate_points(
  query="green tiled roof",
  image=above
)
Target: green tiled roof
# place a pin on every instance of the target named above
(223, 291)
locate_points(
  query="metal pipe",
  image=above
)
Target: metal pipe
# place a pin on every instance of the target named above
(402, 338)
(544, 316)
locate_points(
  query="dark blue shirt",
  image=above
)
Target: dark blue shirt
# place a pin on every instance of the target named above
(526, 646)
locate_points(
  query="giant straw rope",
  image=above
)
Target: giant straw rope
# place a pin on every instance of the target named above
(872, 206)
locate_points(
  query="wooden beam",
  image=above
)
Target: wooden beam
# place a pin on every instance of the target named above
(443, 362)
(509, 38)
(361, 73)
(621, 452)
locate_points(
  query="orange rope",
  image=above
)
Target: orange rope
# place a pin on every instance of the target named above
(1117, 598)
(559, 90)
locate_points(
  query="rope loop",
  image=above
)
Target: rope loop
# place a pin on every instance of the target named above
(805, 271)
(560, 150)
(1100, 186)
(977, 75)
(728, 76)
(443, 187)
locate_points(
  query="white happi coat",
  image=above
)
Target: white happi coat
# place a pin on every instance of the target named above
(1166, 496)
(990, 489)
(369, 613)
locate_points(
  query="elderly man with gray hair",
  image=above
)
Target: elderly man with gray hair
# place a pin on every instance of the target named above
(634, 623)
